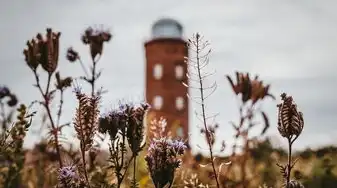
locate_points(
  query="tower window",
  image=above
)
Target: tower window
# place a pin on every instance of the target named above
(179, 103)
(179, 71)
(157, 102)
(158, 71)
(180, 132)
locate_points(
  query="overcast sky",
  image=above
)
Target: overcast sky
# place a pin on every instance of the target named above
(291, 44)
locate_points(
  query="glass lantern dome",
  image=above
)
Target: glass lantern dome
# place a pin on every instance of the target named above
(167, 28)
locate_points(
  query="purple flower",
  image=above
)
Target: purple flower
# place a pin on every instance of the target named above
(67, 173)
(179, 146)
(162, 160)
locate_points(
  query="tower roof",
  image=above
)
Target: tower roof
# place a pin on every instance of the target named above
(167, 28)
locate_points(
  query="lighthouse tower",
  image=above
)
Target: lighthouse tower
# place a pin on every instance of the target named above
(165, 74)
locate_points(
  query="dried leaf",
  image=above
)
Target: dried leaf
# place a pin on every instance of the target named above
(266, 123)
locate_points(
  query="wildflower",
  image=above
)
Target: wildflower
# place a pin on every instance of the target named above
(67, 175)
(109, 124)
(43, 51)
(72, 55)
(95, 38)
(114, 121)
(162, 160)
(290, 120)
(179, 147)
(135, 127)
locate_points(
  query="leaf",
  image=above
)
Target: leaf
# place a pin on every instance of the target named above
(266, 123)
(231, 82)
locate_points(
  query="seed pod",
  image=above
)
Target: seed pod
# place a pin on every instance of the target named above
(290, 120)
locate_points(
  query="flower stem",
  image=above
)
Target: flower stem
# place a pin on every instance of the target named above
(84, 165)
(201, 89)
(134, 171)
(289, 162)
(46, 105)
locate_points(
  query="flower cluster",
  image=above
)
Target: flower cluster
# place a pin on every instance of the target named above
(249, 89)
(127, 116)
(162, 160)
(5, 92)
(95, 38)
(43, 51)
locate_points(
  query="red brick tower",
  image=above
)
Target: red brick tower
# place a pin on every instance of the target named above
(165, 72)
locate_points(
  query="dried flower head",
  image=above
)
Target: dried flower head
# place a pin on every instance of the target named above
(95, 38)
(135, 127)
(5, 92)
(162, 160)
(43, 51)
(62, 83)
(86, 119)
(110, 123)
(72, 55)
(290, 120)
(253, 90)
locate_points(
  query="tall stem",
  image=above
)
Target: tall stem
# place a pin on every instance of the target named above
(204, 113)
(93, 78)
(289, 162)
(84, 165)
(134, 171)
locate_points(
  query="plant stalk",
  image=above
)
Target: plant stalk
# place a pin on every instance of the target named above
(204, 113)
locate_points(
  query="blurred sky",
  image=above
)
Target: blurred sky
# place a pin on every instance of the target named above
(291, 44)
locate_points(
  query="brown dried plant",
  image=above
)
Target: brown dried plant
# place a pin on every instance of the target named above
(251, 91)
(45, 52)
(290, 126)
(86, 123)
(197, 75)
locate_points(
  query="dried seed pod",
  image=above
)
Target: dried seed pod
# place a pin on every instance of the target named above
(32, 54)
(86, 119)
(290, 120)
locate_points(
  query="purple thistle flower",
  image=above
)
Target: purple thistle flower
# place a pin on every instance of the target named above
(67, 173)
(162, 160)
